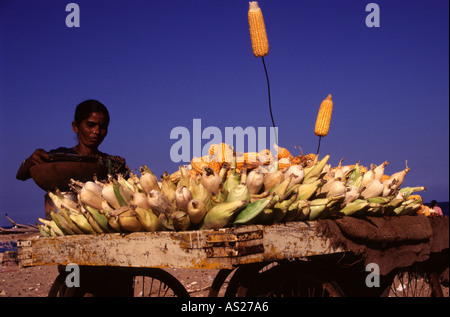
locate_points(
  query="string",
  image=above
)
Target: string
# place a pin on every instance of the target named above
(270, 102)
(318, 147)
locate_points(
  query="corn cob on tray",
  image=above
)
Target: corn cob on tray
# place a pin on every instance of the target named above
(228, 189)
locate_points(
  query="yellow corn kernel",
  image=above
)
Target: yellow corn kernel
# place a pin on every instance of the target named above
(221, 152)
(250, 160)
(199, 163)
(283, 152)
(215, 166)
(324, 117)
(258, 35)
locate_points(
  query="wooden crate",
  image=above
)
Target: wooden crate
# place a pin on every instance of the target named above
(200, 249)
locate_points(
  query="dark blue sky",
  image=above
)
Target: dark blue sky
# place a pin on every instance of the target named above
(158, 65)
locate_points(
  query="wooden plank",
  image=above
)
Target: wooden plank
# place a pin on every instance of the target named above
(290, 241)
(200, 249)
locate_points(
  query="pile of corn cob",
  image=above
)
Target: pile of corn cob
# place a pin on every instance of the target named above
(231, 189)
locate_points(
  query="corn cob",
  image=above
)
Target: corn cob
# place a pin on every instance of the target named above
(407, 191)
(297, 172)
(324, 117)
(159, 203)
(211, 180)
(182, 197)
(303, 210)
(90, 198)
(221, 153)
(255, 181)
(320, 205)
(281, 189)
(100, 218)
(215, 165)
(196, 210)
(239, 192)
(93, 186)
(353, 192)
(44, 231)
(354, 207)
(314, 173)
(248, 160)
(52, 225)
(332, 188)
(396, 179)
(220, 215)
(283, 152)
(379, 171)
(149, 221)
(180, 220)
(81, 222)
(166, 222)
(108, 194)
(200, 193)
(292, 211)
(280, 208)
(284, 163)
(94, 224)
(199, 163)
(168, 187)
(306, 191)
(140, 200)
(61, 223)
(272, 179)
(373, 189)
(258, 35)
(122, 199)
(148, 180)
(252, 211)
(125, 219)
(129, 221)
(65, 213)
(59, 200)
(185, 177)
(265, 157)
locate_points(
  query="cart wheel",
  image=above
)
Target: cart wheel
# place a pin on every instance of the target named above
(154, 282)
(280, 280)
(414, 283)
(128, 282)
(218, 282)
(58, 287)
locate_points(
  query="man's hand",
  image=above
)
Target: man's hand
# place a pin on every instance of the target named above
(39, 156)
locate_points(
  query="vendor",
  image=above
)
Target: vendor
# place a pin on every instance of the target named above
(91, 126)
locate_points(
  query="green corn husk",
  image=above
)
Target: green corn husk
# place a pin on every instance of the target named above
(221, 214)
(239, 192)
(252, 211)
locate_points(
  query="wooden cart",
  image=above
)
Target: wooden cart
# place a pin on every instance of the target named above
(289, 259)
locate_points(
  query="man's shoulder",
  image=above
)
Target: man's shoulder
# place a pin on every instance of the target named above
(116, 158)
(62, 149)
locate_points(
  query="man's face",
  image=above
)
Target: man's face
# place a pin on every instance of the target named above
(92, 130)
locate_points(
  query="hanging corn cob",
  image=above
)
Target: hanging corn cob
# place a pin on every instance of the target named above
(260, 43)
(323, 119)
(258, 35)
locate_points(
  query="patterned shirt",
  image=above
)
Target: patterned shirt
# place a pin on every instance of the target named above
(114, 164)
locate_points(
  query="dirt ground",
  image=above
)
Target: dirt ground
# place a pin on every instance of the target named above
(36, 281)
